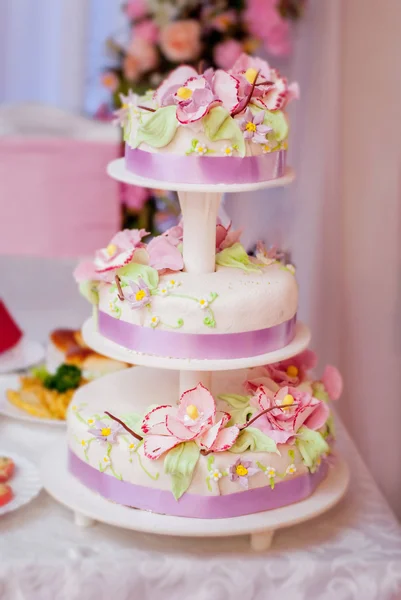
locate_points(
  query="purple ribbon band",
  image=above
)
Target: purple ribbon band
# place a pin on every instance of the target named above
(175, 168)
(194, 505)
(211, 346)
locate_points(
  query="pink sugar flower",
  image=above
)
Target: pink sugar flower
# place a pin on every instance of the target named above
(139, 296)
(175, 234)
(194, 419)
(181, 40)
(164, 255)
(332, 382)
(225, 237)
(241, 470)
(253, 127)
(292, 371)
(144, 53)
(278, 39)
(226, 53)
(295, 409)
(118, 253)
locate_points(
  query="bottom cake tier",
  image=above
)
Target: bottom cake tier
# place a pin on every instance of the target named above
(200, 458)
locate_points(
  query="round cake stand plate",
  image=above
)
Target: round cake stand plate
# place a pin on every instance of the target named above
(117, 170)
(89, 507)
(104, 346)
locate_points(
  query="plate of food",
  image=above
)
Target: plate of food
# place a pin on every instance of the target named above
(40, 397)
(19, 481)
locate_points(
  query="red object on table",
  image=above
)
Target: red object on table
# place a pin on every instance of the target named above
(10, 333)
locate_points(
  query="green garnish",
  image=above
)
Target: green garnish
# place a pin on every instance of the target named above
(67, 377)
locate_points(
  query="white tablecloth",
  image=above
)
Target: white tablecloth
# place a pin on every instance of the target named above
(351, 552)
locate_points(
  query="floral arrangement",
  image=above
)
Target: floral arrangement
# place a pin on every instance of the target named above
(166, 33)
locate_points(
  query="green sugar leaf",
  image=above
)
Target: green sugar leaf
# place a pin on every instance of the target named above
(235, 400)
(240, 411)
(180, 463)
(235, 257)
(133, 420)
(89, 290)
(278, 121)
(252, 439)
(311, 446)
(135, 271)
(158, 129)
(219, 125)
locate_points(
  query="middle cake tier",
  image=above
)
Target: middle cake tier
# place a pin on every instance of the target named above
(230, 313)
(146, 301)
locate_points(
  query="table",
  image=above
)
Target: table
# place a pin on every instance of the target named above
(353, 551)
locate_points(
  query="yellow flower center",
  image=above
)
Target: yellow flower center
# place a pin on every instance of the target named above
(83, 443)
(250, 75)
(241, 470)
(172, 281)
(192, 412)
(200, 148)
(124, 105)
(266, 148)
(132, 446)
(292, 371)
(250, 126)
(184, 93)
(288, 400)
(90, 421)
(106, 459)
(202, 302)
(228, 151)
(140, 295)
(271, 473)
(106, 431)
(111, 248)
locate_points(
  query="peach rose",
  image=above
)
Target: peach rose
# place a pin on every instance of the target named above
(180, 40)
(141, 57)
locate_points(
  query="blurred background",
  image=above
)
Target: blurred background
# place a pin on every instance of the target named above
(63, 66)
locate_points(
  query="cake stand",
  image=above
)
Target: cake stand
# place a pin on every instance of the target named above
(199, 204)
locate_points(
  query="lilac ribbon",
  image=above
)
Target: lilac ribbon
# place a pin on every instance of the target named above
(194, 505)
(174, 168)
(211, 346)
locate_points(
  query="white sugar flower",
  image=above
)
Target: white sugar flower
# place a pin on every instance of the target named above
(266, 149)
(131, 447)
(106, 459)
(270, 472)
(215, 474)
(164, 291)
(201, 149)
(291, 469)
(228, 151)
(154, 321)
(203, 302)
(173, 283)
(90, 421)
(84, 444)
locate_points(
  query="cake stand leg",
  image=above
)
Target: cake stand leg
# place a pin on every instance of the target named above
(262, 540)
(199, 210)
(82, 520)
(190, 379)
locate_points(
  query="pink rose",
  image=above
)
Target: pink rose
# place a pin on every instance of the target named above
(144, 53)
(147, 30)
(261, 16)
(226, 53)
(135, 197)
(278, 41)
(180, 40)
(136, 9)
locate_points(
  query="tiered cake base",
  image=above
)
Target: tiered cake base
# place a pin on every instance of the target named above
(89, 507)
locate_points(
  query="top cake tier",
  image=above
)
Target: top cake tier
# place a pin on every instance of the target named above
(216, 127)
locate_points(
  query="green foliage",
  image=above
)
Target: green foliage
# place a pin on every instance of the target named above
(89, 290)
(236, 257)
(240, 410)
(278, 121)
(67, 377)
(135, 271)
(180, 463)
(133, 420)
(311, 445)
(252, 439)
(219, 125)
(158, 129)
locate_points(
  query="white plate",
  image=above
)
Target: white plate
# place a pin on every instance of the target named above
(90, 506)
(25, 483)
(108, 348)
(9, 410)
(25, 354)
(117, 170)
